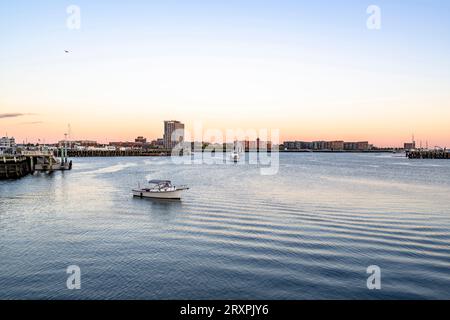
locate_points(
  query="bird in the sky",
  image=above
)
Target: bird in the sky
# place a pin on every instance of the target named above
(66, 51)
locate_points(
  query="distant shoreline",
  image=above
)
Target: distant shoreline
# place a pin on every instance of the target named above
(338, 151)
(106, 154)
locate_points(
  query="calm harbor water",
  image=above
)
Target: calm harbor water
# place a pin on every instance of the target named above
(308, 232)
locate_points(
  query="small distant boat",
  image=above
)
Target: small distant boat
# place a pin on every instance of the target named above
(235, 155)
(160, 189)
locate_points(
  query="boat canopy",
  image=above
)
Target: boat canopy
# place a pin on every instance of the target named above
(159, 182)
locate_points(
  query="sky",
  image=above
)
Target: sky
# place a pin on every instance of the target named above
(312, 69)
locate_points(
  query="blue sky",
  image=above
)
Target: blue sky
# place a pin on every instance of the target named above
(284, 60)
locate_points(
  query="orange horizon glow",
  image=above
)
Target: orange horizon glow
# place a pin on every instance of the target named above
(30, 129)
(304, 102)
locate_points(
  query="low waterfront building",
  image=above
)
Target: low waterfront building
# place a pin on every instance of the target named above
(338, 145)
(101, 148)
(140, 139)
(8, 145)
(362, 145)
(409, 145)
(298, 145)
(318, 145)
(252, 145)
(128, 145)
(356, 146)
(82, 143)
(157, 144)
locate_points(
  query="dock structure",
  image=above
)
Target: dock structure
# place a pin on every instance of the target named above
(20, 165)
(118, 153)
(46, 161)
(428, 154)
(14, 167)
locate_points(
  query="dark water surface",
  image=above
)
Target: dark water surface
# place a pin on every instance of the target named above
(308, 232)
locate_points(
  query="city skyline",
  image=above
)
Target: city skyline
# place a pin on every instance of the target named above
(314, 74)
(162, 134)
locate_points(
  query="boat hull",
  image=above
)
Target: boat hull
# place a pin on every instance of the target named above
(158, 195)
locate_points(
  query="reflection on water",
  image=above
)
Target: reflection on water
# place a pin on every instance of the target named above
(308, 232)
(159, 207)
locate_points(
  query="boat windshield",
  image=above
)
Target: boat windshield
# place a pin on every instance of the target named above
(161, 183)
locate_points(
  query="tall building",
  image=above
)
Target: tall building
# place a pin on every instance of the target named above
(173, 133)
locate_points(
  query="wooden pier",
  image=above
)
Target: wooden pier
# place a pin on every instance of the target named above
(428, 154)
(118, 153)
(18, 166)
(14, 167)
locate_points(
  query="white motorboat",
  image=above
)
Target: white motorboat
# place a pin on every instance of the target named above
(160, 189)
